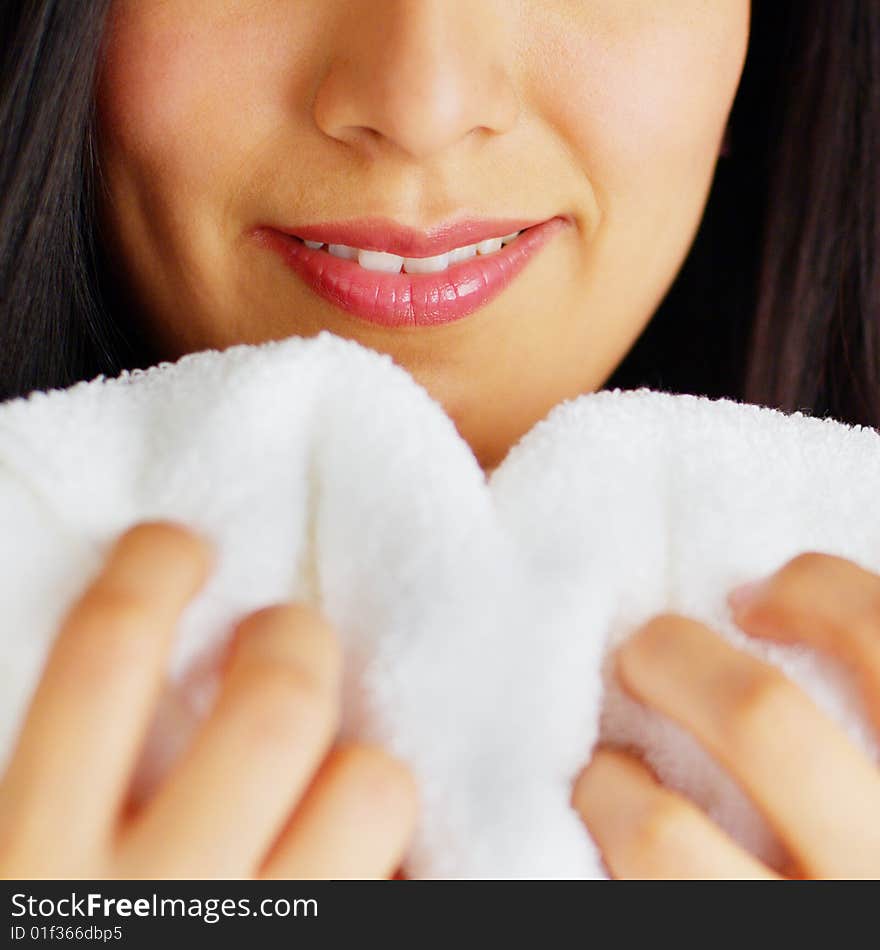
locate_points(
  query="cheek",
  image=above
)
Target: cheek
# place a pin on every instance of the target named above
(648, 92)
(147, 97)
(182, 100)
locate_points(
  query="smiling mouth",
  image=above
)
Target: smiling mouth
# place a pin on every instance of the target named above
(384, 262)
(400, 291)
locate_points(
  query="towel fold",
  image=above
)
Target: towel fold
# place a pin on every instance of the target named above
(477, 617)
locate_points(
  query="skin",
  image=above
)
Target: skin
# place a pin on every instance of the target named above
(316, 809)
(421, 110)
(821, 795)
(611, 112)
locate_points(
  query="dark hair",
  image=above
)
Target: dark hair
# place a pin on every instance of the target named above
(777, 303)
(58, 322)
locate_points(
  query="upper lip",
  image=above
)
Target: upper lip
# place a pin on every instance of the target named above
(383, 234)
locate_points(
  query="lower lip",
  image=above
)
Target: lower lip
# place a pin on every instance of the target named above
(411, 300)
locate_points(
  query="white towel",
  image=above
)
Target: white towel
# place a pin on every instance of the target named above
(475, 616)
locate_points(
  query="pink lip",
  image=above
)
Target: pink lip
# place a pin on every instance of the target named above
(383, 234)
(409, 300)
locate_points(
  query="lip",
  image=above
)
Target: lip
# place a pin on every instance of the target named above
(383, 234)
(409, 300)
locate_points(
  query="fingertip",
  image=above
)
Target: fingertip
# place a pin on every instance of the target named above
(172, 543)
(384, 780)
(607, 766)
(744, 596)
(293, 630)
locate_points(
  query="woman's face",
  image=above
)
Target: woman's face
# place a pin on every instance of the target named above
(222, 124)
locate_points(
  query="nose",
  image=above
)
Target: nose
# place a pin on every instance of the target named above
(417, 76)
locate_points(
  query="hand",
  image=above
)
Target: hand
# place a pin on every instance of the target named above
(260, 792)
(820, 794)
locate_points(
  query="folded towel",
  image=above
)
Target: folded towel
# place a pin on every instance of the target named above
(476, 616)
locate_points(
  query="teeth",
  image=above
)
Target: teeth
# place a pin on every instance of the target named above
(426, 265)
(490, 246)
(393, 264)
(343, 250)
(462, 253)
(380, 261)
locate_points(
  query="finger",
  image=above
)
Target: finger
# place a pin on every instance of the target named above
(827, 602)
(645, 831)
(92, 706)
(225, 801)
(817, 790)
(354, 823)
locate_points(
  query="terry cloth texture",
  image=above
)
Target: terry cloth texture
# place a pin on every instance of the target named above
(477, 615)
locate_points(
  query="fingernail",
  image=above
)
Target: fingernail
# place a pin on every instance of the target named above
(746, 594)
